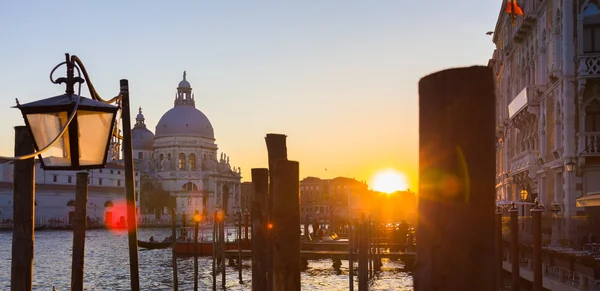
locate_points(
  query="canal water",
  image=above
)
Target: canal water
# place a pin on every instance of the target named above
(107, 266)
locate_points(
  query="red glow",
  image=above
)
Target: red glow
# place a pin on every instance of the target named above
(116, 217)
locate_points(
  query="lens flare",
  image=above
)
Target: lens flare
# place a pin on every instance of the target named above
(389, 181)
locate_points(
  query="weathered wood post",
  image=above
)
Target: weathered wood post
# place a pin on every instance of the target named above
(196, 222)
(514, 247)
(173, 247)
(246, 222)
(455, 233)
(351, 243)
(79, 226)
(214, 246)
(239, 236)
(21, 272)
(286, 225)
(260, 185)
(276, 150)
(363, 256)
(536, 213)
(222, 246)
(130, 194)
(499, 248)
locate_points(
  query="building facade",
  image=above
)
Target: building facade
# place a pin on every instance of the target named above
(181, 160)
(55, 194)
(337, 199)
(547, 73)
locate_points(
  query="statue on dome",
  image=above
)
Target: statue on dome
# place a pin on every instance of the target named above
(184, 75)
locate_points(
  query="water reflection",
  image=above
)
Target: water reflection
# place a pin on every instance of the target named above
(107, 266)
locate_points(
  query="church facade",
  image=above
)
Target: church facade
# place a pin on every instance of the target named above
(181, 160)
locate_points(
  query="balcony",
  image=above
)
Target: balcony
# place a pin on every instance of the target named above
(588, 143)
(589, 65)
(526, 99)
(525, 161)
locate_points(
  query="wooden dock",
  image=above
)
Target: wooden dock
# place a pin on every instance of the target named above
(322, 254)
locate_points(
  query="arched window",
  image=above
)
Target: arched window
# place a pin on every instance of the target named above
(108, 204)
(592, 116)
(181, 161)
(591, 29)
(71, 203)
(161, 157)
(140, 155)
(192, 161)
(189, 186)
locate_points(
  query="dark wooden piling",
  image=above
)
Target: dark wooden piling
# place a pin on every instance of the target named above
(196, 222)
(499, 246)
(246, 222)
(240, 245)
(351, 244)
(455, 232)
(260, 185)
(222, 246)
(536, 213)
(21, 272)
(79, 227)
(173, 244)
(276, 150)
(363, 259)
(214, 254)
(130, 195)
(514, 248)
(286, 225)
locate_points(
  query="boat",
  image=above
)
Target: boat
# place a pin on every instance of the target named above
(154, 245)
(41, 227)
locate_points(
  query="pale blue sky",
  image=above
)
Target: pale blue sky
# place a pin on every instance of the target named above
(308, 69)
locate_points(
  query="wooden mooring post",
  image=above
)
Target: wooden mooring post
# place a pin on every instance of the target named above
(196, 222)
(455, 232)
(21, 272)
(536, 213)
(351, 247)
(260, 185)
(173, 244)
(79, 227)
(286, 225)
(276, 150)
(240, 245)
(499, 245)
(514, 248)
(214, 254)
(363, 256)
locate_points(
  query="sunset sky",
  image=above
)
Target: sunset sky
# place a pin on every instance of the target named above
(339, 78)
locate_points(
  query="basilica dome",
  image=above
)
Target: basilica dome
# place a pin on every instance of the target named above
(184, 119)
(141, 137)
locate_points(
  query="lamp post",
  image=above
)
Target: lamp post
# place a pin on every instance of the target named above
(523, 194)
(555, 239)
(72, 132)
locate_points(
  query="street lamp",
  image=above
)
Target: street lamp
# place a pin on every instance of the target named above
(523, 195)
(75, 131)
(571, 166)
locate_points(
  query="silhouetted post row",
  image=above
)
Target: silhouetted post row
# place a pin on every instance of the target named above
(455, 231)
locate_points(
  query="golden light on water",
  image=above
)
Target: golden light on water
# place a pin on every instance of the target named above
(389, 181)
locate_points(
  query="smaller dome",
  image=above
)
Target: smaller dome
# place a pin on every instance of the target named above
(141, 137)
(184, 83)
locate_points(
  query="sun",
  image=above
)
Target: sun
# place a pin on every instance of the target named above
(389, 181)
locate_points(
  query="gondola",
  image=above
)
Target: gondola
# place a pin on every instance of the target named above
(154, 245)
(41, 227)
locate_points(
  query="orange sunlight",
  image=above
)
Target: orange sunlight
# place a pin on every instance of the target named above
(389, 181)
